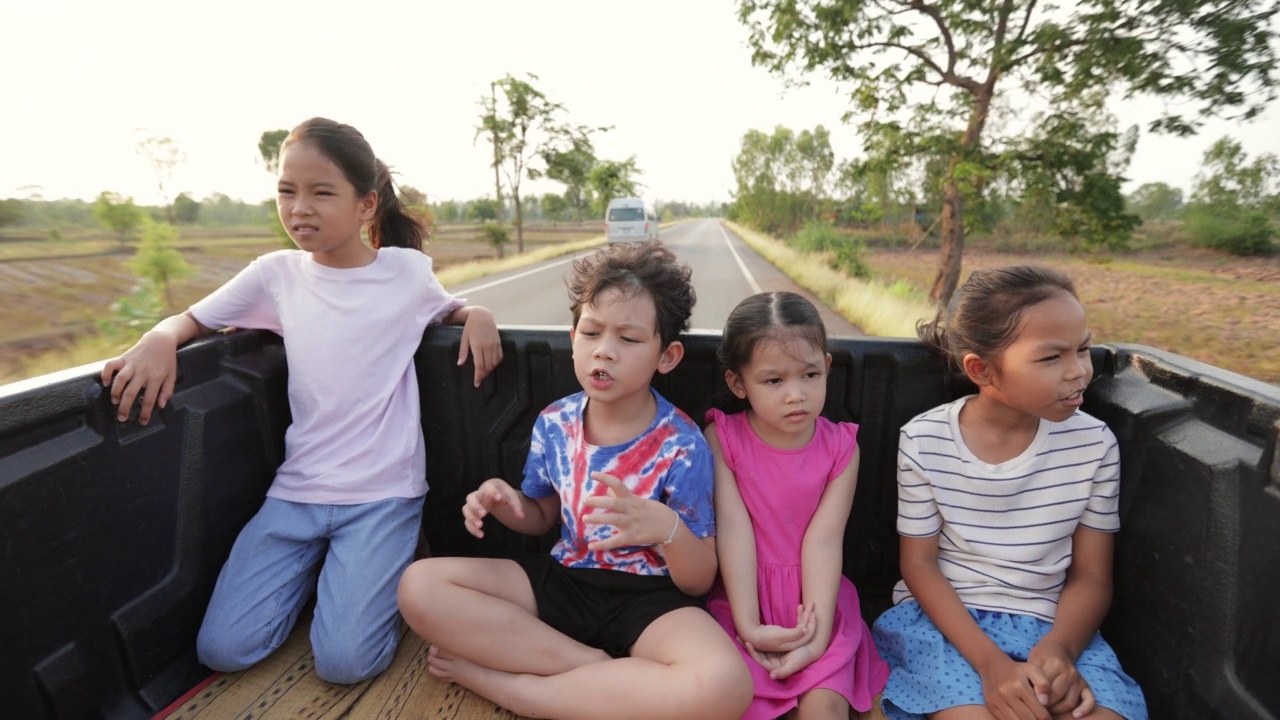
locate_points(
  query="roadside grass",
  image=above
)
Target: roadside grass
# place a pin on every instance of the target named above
(463, 272)
(889, 309)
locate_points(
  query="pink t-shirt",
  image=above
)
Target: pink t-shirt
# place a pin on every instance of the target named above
(350, 335)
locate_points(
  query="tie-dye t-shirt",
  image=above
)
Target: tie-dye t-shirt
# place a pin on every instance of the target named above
(670, 462)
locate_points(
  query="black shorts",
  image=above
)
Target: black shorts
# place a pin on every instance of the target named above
(606, 609)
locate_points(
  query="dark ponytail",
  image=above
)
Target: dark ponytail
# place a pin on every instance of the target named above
(392, 226)
(347, 148)
(983, 315)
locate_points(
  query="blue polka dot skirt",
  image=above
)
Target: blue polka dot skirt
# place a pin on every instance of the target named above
(928, 674)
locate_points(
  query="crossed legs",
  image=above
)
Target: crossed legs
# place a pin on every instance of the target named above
(481, 618)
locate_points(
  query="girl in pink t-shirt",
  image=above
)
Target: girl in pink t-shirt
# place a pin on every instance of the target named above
(784, 484)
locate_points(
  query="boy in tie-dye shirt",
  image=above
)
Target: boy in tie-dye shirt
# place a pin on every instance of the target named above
(669, 463)
(611, 623)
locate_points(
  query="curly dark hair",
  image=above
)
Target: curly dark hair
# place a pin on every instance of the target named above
(647, 267)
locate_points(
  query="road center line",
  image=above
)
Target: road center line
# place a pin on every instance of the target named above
(751, 280)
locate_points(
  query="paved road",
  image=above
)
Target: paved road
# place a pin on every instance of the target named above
(725, 270)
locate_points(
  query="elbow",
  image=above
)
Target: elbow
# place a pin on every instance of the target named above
(695, 589)
(541, 525)
(698, 585)
(913, 570)
(1094, 585)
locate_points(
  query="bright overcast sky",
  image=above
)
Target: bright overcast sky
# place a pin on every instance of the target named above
(674, 78)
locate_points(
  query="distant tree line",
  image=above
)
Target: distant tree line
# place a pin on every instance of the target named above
(786, 181)
(110, 211)
(552, 207)
(117, 213)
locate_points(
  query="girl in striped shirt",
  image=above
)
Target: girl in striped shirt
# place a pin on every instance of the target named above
(1007, 507)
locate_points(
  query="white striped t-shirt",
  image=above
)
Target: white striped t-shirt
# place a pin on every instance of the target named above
(1004, 531)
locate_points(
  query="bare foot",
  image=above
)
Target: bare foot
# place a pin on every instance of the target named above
(439, 662)
(494, 685)
(453, 668)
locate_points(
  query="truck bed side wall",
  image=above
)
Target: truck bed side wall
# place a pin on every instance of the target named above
(112, 536)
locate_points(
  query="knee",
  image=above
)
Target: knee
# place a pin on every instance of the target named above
(417, 585)
(342, 671)
(217, 650)
(348, 660)
(728, 687)
(824, 703)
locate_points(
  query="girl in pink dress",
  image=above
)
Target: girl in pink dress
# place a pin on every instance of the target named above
(784, 484)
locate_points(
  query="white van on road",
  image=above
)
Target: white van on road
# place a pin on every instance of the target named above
(630, 220)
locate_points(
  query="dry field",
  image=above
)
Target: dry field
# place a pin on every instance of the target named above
(1215, 308)
(52, 295)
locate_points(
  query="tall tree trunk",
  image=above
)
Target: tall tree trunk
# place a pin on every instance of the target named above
(515, 197)
(497, 154)
(948, 276)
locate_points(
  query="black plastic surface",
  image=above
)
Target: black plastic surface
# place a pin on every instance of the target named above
(111, 536)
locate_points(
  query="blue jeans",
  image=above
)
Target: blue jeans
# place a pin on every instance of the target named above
(351, 556)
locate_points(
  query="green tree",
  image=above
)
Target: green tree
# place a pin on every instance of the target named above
(496, 235)
(164, 155)
(931, 70)
(118, 214)
(1071, 164)
(1156, 201)
(186, 210)
(782, 178)
(815, 161)
(497, 130)
(133, 314)
(519, 121)
(269, 149)
(609, 179)
(269, 146)
(12, 212)
(757, 176)
(569, 159)
(557, 208)
(157, 260)
(448, 211)
(531, 207)
(1233, 200)
(485, 209)
(1230, 179)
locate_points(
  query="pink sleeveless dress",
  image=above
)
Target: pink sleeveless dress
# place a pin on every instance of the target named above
(781, 489)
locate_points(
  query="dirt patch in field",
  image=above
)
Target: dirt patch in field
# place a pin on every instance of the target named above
(1216, 308)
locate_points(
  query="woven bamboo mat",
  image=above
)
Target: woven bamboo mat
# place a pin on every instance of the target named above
(285, 687)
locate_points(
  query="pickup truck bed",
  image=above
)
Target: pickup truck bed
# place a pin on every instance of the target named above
(111, 535)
